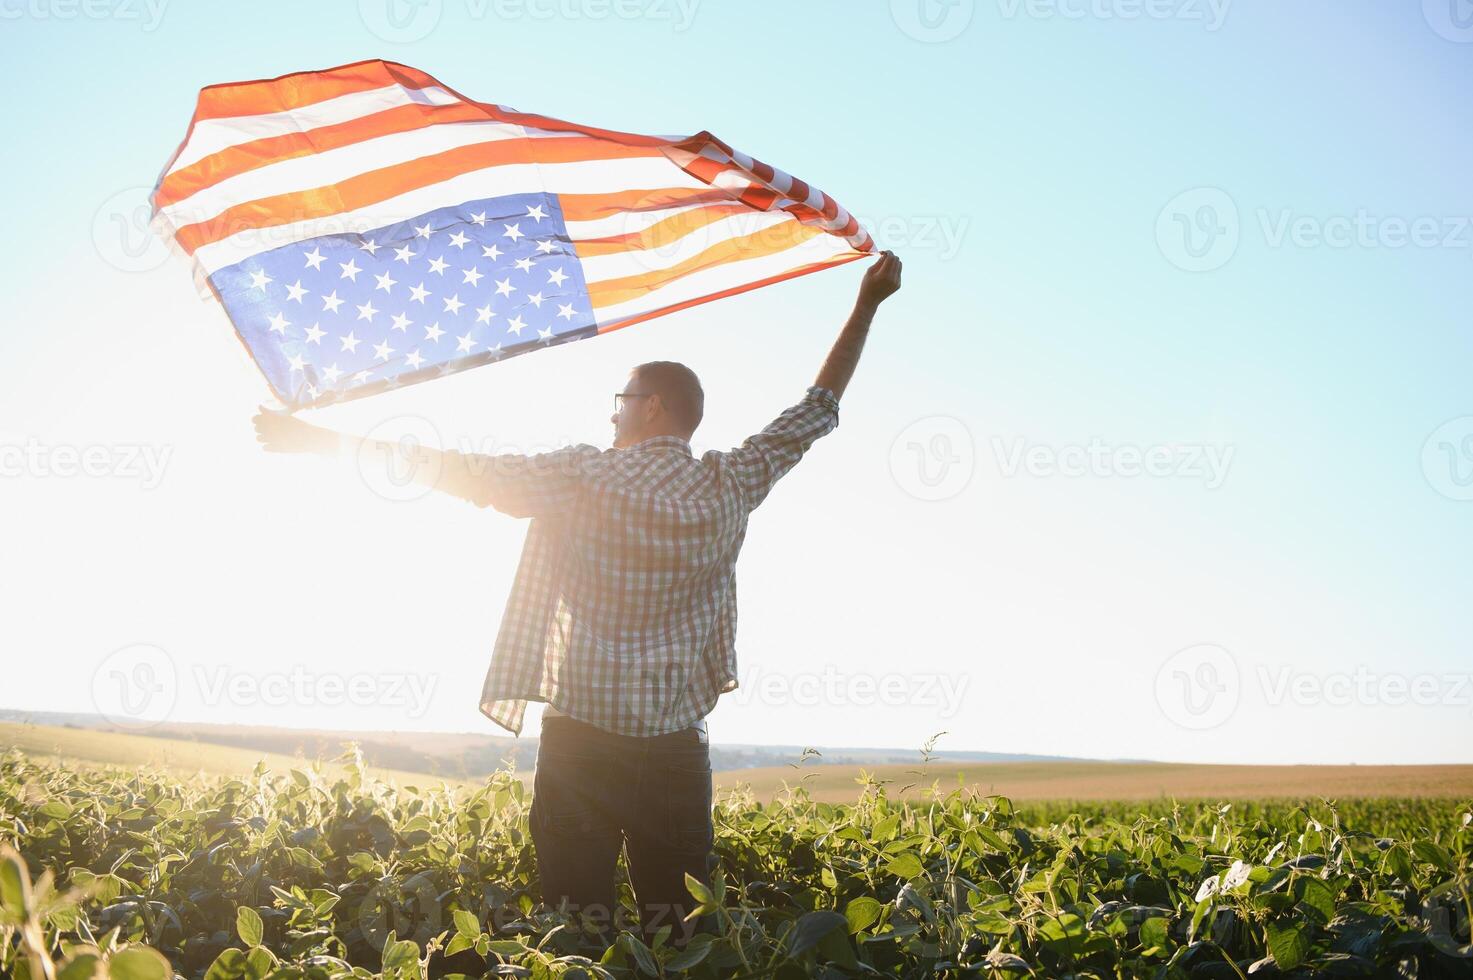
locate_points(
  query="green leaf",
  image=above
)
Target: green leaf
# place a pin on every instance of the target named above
(1289, 944)
(401, 959)
(861, 913)
(1318, 897)
(138, 963)
(1430, 852)
(466, 924)
(810, 928)
(699, 892)
(639, 952)
(83, 966)
(15, 884)
(905, 865)
(693, 954)
(1155, 932)
(248, 924)
(1401, 863)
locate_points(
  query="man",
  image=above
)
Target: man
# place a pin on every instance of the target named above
(622, 617)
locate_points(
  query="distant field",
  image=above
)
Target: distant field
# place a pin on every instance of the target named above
(836, 783)
(182, 758)
(1119, 780)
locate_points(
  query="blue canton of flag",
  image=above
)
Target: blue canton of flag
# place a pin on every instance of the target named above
(441, 292)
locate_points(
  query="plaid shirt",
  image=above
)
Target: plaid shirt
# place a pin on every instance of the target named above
(623, 610)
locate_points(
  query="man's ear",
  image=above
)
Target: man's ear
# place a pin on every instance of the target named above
(653, 406)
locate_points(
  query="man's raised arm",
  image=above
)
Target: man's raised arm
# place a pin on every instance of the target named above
(522, 486)
(764, 458)
(880, 281)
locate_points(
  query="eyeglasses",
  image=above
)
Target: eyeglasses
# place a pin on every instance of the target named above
(620, 396)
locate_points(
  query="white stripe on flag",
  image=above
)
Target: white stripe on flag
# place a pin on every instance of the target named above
(581, 177)
(213, 135)
(707, 282)
(334, 166)
(617, 265)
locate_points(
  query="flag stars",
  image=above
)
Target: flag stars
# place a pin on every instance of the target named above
(472, 276)
(418, 293)
(490, 252)
(557, 277)
(513, 232)
(453, 304)
(350, 343)
(361, 377)
(535, 299)
(403, 254)
(483, 314)
(350, 270)
(565, 310)
(433, 333)
(423, 232)
(366, 311)
(504, 287)
(297, 363)
(385, 282)
(259, 279)
(546, 246)
(413, 359)
(515, 325)
(279, 324)
(479, 219)
(295, 291)
(331, 302)
(314, 258)
(524, 264)
(536, 213)
(331, 374)
(458, 240)
(401, 322)
(370, 246)
(315, 335)
(382, 350)
(464, 344)
(438, 266)
(545, 335)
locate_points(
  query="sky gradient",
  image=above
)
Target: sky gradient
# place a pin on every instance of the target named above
(1165, 449)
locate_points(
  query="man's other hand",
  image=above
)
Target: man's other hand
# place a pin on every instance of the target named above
(279, 432)
(880, 281)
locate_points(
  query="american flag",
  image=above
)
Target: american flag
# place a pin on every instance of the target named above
(366, 227)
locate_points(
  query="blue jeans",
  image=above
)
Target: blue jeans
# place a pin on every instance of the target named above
(595, 792)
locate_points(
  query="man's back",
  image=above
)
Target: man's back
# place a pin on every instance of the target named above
(623, 612)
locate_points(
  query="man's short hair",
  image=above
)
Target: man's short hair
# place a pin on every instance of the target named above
(679, 390)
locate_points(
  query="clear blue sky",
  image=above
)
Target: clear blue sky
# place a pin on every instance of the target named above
(1039, 167)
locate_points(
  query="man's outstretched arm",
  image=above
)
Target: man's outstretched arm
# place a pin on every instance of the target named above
(522, 486)
(880, 281)
(764, 458)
